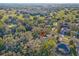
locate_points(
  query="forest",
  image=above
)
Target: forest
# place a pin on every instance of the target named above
(39, 29)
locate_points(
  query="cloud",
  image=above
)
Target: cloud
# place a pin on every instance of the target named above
(39, 1)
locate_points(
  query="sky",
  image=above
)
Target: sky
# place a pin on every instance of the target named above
(39, 1)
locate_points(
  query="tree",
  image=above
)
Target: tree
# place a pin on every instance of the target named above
(1, 44)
